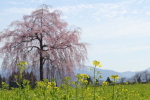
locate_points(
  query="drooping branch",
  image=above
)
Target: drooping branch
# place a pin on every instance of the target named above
(31, 47)
(47, 40)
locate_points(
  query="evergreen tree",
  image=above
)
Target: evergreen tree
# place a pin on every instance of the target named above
(12, 80)
(26, 75)
(3, 79)
(32, 80)
(139, 80)
(108, 80)
(89, 80)
(97, 82)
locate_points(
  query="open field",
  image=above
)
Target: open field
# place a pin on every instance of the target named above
(73, 91)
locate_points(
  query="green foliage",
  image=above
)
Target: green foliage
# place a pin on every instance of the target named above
(21, 68)
(48, 91)
(4, 85)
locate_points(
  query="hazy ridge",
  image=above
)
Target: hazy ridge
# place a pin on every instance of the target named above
(105, 73)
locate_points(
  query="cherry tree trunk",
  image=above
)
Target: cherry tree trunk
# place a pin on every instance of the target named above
(41, 69)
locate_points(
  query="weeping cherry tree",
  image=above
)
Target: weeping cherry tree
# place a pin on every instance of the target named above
(43, 39)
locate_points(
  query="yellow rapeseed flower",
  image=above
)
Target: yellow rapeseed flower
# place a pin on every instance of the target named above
(105, 83)
(100, 76)
(126, 83)
(49, 83)
(90, 68)
(48, 86)
(3, 83)
(85, 81)
(98, 72)
(73, 82)
(114, 77)
(130, 81)
(81, 80)
(67, 78)
(100, 65)
(96, 63)
(56, 88)
(124, 90)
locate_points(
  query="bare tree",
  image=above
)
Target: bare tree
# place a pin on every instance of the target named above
(43, 38)
(137, 77)
(122, 79)
(145, 75)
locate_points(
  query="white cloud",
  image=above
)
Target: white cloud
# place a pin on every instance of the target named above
(20, 10)
(127, 27)
(123, 11)
(115, 48)
(110, 22)
(100, 10)
(130, 49)
(96, 10)
(96, 18)
(140, 1)
(64, 17)
(134, 11)
(147, 13)
(40, 1)
(12, 2)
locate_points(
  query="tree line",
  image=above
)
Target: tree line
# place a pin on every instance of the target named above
(140, 77)
(12, 80)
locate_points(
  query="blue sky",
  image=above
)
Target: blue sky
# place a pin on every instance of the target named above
(118, 31)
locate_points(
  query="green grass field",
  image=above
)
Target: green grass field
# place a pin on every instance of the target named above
(74, 91)
(78, 90)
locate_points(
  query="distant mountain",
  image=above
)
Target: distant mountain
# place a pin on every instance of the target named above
(105, 73)
(148, 69)
(128, 74)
